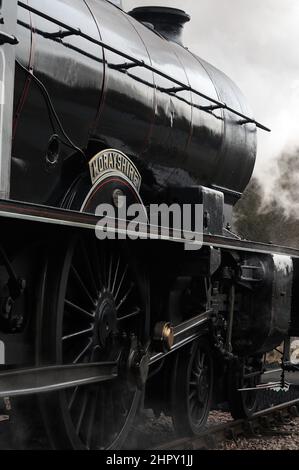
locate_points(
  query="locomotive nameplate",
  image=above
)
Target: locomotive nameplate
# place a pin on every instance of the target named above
(110, 161)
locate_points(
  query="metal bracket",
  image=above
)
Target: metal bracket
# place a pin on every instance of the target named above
(8, 39)
(213, 107)
(124, 66)
(61, 34)
(246, 121)
(176, 89)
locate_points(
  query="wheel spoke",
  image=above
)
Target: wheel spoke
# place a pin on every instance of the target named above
(78, 309)
(89, 268)
(83, 286)
(202, 360)
(192, 405)
(96, 264)
(130, 315)
(197, 362)
(110, 272)
(125, 296)
(73, 396)
(111, 417)
(77, 333)
(84, 351)
(82, 412)
(121, 281)
(115, 276)
(103, 268)
(92, 417)
(198, 411)
(102, 415)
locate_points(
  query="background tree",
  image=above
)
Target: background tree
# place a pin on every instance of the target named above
(275, 219)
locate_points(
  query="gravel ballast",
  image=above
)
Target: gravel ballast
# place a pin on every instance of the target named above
(154, 432)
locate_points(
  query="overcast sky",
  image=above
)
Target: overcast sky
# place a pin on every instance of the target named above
(256, 43)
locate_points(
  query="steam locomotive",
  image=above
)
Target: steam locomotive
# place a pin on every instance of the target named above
(99, 103)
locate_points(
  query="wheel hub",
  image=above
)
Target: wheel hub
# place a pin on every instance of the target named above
(106, 319)
(138, 366)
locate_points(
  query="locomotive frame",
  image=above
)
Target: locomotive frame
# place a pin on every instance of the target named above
(221, 276)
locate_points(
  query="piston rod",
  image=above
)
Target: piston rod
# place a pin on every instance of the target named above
(185, 333)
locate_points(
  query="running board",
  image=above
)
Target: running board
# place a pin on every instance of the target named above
(66, 218)
(277, 379)
(274, 386)
(53, 378)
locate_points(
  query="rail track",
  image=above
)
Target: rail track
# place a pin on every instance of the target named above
(260, 422)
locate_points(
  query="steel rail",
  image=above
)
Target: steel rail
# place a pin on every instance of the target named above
(52, 378)
(217, 433)
(140, 63)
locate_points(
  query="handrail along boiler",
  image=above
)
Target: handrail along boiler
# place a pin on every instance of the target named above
(95, 103)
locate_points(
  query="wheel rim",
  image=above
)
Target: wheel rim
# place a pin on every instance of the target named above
(249, 398)
(192, 388)
(199, 387)
(242, 403)
(99, 310)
